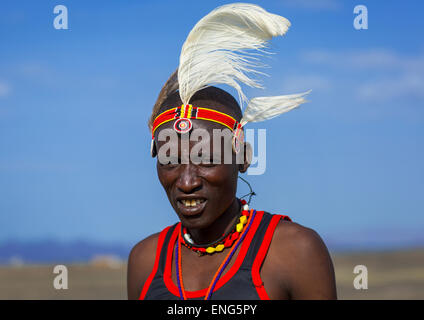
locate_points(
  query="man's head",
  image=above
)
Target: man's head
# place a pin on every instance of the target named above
(199, 191)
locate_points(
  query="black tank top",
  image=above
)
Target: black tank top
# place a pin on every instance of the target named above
(241, 281)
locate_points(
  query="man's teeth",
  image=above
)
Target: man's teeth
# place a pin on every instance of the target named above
(192, 202)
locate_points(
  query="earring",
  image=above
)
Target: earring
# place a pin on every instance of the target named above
(153, 148)
(238, 138)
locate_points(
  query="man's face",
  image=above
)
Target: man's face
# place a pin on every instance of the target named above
(199, 189)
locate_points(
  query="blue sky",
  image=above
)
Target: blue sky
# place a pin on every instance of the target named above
(74, 144)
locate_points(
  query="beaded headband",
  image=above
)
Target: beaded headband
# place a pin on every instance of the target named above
(183, 124)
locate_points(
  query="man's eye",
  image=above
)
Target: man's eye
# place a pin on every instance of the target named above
(169, 162)
(208, 161)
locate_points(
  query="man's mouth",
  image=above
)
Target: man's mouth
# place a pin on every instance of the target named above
(192, 202)
(192, 206)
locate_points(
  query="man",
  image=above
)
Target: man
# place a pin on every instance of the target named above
(296, 266)
(221, 248)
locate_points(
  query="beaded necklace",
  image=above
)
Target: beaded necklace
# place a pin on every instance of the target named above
(226, 241)
(221, 268)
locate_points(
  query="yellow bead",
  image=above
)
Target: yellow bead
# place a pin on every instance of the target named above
(243, 219)
(239, 227)
(210, 250)
(219, 247)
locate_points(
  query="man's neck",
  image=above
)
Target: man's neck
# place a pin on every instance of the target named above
(220, 226)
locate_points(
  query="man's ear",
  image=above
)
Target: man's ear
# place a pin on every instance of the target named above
(248, 152)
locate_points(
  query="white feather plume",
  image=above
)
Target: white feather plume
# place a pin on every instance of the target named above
(216, 49)
(264, 108)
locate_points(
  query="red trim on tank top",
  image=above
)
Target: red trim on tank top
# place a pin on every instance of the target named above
(167, 276)
(149, 280)
(260, 256)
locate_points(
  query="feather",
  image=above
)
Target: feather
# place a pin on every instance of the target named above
(218, 50)
(264, 108)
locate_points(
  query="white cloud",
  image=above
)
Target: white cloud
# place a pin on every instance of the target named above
(394, 75)
(31, 68)
(5, 89)
(409, 85)
(298, 83)
(313, 4)
(376, 58)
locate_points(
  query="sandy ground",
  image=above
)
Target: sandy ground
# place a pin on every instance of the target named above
(391, 275)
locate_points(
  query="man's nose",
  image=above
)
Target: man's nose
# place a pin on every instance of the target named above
(188, 181)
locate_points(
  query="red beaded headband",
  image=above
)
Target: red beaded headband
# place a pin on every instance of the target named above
(183, 124)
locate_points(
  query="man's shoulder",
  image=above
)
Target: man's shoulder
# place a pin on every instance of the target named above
(299, 260)
(298, 241)
(147, 247)
(141, 262)
(295, 233)
(291, 234)
(144, 246)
